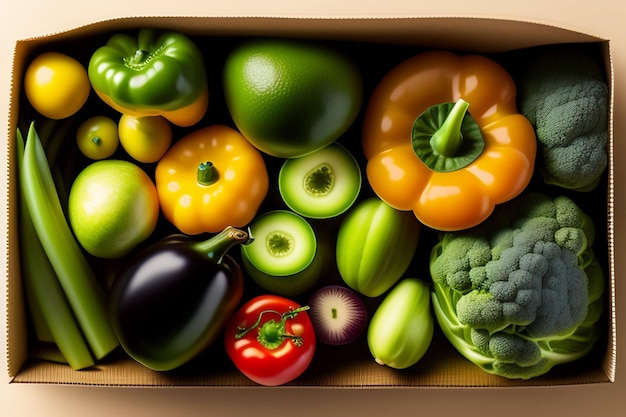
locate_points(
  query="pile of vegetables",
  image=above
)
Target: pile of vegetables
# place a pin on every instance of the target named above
(402, 205)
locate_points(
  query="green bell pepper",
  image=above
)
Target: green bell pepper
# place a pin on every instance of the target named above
(154, 74)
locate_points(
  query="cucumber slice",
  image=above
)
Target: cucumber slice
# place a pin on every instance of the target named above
(287, 285)
(284, 243)
(320, 185)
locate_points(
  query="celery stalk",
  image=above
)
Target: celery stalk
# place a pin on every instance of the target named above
(48, 352)
(39, 324)
(37, 317)
(83, 291)
(45, 292)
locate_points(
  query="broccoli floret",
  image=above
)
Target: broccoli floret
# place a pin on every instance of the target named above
(563, 93)
(521, 292)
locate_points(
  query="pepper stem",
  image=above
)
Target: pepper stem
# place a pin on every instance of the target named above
(207, 173)
(273, 333)
(447, 140)
(217, 246)
(138, 60)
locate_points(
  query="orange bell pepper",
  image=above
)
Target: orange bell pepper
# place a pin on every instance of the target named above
(443, 138)
(210, 179)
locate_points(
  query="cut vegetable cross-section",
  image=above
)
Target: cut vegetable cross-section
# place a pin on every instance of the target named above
(283, 258)
(321, 185)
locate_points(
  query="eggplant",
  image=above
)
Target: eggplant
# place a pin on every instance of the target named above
(171, 300)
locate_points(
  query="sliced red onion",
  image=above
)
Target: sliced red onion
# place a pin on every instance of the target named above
(338, 314)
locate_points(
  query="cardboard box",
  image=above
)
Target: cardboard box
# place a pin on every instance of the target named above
(333, 367)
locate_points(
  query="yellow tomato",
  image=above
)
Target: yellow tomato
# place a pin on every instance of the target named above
(145, 139)
(97, 137)
(56, 85)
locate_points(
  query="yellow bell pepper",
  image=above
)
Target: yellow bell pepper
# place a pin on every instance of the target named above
(443, 138)
(210, 179)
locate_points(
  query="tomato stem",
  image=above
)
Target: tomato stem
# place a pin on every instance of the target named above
(273, 333)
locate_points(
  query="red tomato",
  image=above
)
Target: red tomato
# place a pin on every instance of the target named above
(271, 340)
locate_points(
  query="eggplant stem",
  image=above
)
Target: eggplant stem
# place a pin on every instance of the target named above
(217, 246)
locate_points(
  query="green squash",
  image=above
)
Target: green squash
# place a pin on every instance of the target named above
(402, 327)
(375, 246)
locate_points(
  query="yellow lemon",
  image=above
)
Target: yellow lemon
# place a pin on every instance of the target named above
(56, 85)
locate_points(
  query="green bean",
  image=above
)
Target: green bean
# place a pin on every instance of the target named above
(42, 286)
(84, 293)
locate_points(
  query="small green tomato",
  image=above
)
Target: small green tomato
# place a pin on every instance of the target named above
(97, 137)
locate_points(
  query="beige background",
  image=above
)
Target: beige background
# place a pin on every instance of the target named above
(603, 18)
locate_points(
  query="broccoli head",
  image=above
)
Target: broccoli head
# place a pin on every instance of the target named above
(521, 292)
(563, 94)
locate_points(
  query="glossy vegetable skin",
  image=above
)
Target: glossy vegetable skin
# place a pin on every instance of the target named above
(97, 137)
(291, 97)
(153, 74)
(270, 339)
(375, 245)
(171, 300)
(457, 195)
(210, 179)
(402, 327)
(145, 139)
(56, 85)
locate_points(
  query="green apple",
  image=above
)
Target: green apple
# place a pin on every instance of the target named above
(113, 206)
